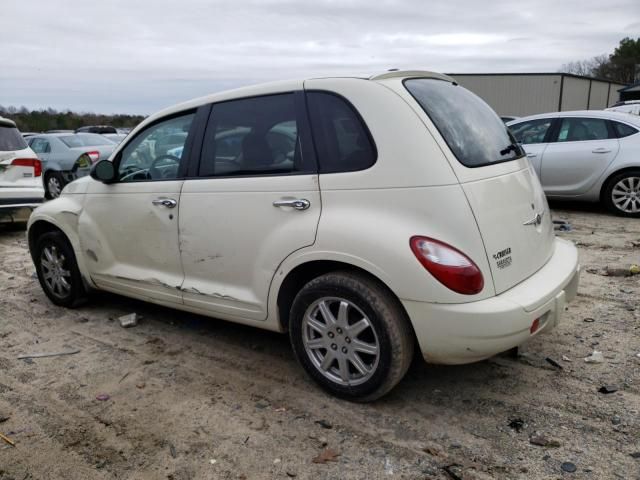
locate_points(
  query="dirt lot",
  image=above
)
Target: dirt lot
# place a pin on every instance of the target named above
(194, 398)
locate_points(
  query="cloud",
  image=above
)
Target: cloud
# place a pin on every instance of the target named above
(124, 56)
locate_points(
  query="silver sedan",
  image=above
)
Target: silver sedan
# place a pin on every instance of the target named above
(589, 155)
(67, 156)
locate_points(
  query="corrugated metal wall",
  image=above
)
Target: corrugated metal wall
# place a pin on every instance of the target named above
(528, 94)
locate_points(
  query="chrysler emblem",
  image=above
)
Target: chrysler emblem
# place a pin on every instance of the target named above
(537, 220)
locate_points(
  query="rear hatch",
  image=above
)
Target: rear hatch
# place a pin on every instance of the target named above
(502, 189)
(17, 168)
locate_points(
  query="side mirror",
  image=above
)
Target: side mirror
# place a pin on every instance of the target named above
(104, 171)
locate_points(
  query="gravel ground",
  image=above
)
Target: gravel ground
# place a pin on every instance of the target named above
(195, 398)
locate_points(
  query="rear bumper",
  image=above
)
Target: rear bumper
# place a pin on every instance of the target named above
(469, 332)
(16, 203)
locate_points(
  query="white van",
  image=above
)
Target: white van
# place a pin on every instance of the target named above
(364, 216)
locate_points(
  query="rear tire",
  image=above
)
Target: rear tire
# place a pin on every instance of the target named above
(53, 184)
(621, 194)
(351, 335)
(58, 271)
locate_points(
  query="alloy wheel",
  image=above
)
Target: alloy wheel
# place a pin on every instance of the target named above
(54, 186)
(626, 195)
(55, 275)
(340, 341)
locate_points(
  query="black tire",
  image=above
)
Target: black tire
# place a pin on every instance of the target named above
(57, 242)
(388, 320)
(607, 193)
(57, 176)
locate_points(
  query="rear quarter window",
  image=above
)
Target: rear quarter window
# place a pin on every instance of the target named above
(473, 131)
(342, 140)
(622, 130)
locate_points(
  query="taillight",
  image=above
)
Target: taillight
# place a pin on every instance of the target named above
(448, 265)
(94, 156)
(29, 162)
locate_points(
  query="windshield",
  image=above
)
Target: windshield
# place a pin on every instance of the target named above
(85, 140)
(474, 132)
(10, 139)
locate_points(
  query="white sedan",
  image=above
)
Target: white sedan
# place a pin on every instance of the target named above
(20, 175)
(586, 155)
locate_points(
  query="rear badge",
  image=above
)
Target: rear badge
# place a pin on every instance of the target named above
(503, 258)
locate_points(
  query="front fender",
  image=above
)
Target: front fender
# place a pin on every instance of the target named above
(63, 213)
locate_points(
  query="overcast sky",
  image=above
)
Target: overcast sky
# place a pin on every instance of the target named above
(137, 56)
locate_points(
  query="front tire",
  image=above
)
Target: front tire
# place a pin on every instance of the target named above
(58, 271)
(351, 335)
(621, 194)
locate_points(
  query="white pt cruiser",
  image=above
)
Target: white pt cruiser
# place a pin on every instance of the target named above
(365, 216)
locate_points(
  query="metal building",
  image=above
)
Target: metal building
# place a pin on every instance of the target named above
(521, 94)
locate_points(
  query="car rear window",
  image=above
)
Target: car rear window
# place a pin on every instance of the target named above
(11, 139)
(473, 131)
(85, 140)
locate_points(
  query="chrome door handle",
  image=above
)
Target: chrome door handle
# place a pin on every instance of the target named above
(531, 155)
(297, 203)
(165, 202)
(600, 150)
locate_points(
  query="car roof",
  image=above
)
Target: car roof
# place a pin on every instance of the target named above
(611, 115)
(286, 86)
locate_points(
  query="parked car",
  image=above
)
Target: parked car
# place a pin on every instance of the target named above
(97, 129)
(589, 155)
(115, 137)
(630, 106)
(66, 157)
(20, 170)
(362, 239)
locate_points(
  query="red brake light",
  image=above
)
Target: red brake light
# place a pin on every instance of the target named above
(29, 162)
(94, 156)
(448, 265)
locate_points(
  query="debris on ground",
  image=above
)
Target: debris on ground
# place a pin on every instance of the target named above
(562, 226)
(566, 359)
(608, 389)
(517, 424)
(449, 470)
(553, 363)
(595, 357)
(51, 354)
(324, 424)
(543, 441)
(568, 467)
(4, 418)
(589, 320)
(130, 320)
(103, 397)
(326, 455)
(7, 439)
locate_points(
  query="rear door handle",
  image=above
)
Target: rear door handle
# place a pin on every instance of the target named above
(297, 203)
(601, 150)
(531, 155)
(165, 202)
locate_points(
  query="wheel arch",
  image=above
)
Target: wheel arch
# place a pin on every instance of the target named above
(304, 272)
(605, 183)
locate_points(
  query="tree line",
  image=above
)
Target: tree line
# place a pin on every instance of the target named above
(622, 66)
(51, 119)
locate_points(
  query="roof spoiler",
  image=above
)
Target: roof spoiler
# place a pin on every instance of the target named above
(411, 74)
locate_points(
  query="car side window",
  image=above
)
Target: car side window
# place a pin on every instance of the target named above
(533, 131)
(40, 145)
(579, 129)
(253, 136)
(342, 140)
(156, 152)
(622, 130)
